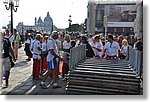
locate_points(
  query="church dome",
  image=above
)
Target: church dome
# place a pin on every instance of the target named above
(48, 23)
(40, 20)
(47, 18)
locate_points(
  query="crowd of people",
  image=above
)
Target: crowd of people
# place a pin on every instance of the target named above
(46, 51)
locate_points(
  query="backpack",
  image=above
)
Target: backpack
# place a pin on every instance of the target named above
(6, 47)
(6, 44)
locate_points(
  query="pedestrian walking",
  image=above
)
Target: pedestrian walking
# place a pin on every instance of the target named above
(120, 38)
(16, 43)
(66, 44)
(124, 49)
(90, 39)
(139, 44)
(37, 49)
(78, 40)
(89, 50)
(65, 63)
(112, 48)
(97, 47)
(27, 48)
(44, 66)
(7, 54)
(52, 61)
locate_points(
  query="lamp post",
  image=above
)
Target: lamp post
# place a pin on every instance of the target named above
(11, 5)
(69, 23)
(22, 31)
(105, 25)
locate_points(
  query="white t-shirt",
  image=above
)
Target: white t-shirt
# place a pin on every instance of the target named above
(98, 45)
(66, 45)
(51, 44)
(90, 40)
(58, 43)
(124, 50)
(44, 46)
(28, 41)
(78, 43)
(36, 51)
(112, 48)
(11, 38)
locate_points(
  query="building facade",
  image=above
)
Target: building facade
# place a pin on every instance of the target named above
(138, 22)
(91, 17)
(45, 26)
(120, 15)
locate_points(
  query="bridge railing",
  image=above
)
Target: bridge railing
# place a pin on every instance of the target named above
(135, 58)
(77, 54)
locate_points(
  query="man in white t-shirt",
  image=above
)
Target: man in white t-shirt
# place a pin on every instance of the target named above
(112, 48)
(51, 60)
(36, 48)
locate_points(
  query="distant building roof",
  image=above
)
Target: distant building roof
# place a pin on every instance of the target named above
(112, 1)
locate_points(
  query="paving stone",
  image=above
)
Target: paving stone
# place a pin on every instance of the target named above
(21, 82)
(16, 92)
(25, 87)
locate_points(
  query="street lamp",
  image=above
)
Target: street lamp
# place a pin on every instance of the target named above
(11, 5)
(105, 25)
(69, 22)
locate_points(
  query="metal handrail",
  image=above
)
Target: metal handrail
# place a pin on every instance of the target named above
(135, 60)
(77, 54)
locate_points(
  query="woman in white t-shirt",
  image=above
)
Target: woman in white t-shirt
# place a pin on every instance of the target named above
(97, 47)
(124, 49)
(44, 53)
(66, 43)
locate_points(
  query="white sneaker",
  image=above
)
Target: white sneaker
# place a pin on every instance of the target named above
(65, 78)
(60, 76)
(55, 85)
(42, 83)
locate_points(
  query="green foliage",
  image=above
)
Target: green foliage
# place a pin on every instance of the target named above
(75, 28)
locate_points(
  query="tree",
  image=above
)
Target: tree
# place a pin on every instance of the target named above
(75, 28)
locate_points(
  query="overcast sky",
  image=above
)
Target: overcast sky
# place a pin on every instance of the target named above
(59, 11)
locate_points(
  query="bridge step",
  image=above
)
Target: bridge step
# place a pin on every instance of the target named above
(98, 77)
(106, 70)
(110, 68)
(106, 65)
(94, 90)
(102, 81)
(104, 73)
(104, 77)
